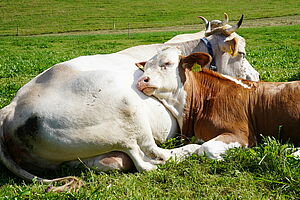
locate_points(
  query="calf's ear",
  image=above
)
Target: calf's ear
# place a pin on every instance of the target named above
(196, 59)
(141, 65)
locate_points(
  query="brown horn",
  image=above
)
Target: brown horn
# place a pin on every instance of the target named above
(234, 27)
(226, 19)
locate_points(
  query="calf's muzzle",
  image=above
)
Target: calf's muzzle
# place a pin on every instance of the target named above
(143, 83)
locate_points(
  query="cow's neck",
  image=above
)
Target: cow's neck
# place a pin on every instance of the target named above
(206, 92)
(200, 90)
(202, 94)
(175, 103)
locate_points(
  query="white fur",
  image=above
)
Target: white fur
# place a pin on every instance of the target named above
(237, 81)
(171, 92)
(186, 37)
(235, 66)
(214, 149)
(296, 154)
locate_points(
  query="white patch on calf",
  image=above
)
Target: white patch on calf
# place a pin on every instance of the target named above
(296, 154)
(237, 81)
(214, 149)
(183, 152)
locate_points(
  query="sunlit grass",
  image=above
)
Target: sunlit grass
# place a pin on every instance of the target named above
(53, 16)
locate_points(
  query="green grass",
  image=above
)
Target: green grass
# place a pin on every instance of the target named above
(264, 172)
(56, 16)
(274, 52)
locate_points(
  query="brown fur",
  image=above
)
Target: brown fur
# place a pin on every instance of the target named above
(216, 106)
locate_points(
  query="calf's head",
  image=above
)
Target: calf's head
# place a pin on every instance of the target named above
(163, 73)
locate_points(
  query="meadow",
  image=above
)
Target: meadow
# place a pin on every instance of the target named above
(60, 16)
(264, 172)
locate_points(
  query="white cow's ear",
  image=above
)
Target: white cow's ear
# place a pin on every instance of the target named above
(141, 65)
(230, 46)
(196, 59)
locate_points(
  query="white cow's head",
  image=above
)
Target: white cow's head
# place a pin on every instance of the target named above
(228, 49)
(163, 72)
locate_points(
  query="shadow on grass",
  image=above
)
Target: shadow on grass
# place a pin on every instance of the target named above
(7, 177)
(295, 77)
(80, 171)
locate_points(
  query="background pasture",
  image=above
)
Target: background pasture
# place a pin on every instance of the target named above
(263, 172)
(60, 16)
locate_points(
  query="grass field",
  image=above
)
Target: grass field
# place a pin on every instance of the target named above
(264, 172)
(53, 16)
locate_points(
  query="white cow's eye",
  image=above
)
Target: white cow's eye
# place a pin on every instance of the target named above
(165, 65)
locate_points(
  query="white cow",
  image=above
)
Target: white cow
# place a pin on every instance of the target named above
(213, 30)
(89, 108)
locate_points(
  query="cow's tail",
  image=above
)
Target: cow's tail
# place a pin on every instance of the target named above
(71, 183)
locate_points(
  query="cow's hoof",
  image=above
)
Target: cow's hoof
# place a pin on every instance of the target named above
(146, 166)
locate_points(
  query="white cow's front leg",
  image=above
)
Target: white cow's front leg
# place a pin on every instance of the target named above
(153, 155)
(141, 161)
(137, 139)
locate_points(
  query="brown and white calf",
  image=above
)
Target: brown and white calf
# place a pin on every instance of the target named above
(220, 110)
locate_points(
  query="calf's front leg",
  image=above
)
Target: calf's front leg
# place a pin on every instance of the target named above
(217, 146)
